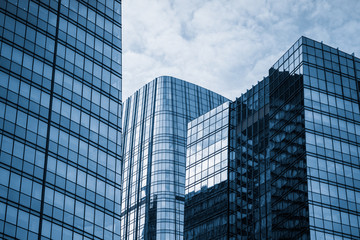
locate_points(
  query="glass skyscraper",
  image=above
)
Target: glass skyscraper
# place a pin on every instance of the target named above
(291, 152)
(60, 119)
(154, 150)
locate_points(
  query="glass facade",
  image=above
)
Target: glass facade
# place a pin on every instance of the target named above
(295, 136)
(250, 141)
(206, 190)
(236, 206)
(288, 208)
(60, 119)
(154, 150)
(332, 125)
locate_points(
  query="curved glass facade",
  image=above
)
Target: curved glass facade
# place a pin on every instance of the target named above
(155, 124)
(60, 119)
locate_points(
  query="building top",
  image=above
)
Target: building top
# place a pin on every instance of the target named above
(312, 43)
(171, 79)
(208, 114)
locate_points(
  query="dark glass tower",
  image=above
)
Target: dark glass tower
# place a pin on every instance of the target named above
(155, 120)
(293, 168)
(60, 119)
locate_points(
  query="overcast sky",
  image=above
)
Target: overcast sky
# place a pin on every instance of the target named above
(226, 45)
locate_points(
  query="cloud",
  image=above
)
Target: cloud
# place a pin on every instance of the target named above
(226, 45)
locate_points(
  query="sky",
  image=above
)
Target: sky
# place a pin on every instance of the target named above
(226, 46)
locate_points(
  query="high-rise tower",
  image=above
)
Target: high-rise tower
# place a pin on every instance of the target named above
(155, 120)
(288, 165)
(60, 119)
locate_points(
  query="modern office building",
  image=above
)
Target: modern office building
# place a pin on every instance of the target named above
(283, 160)
(154, 149)
(60, 119)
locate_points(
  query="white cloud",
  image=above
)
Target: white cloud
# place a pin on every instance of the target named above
(226, 45)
